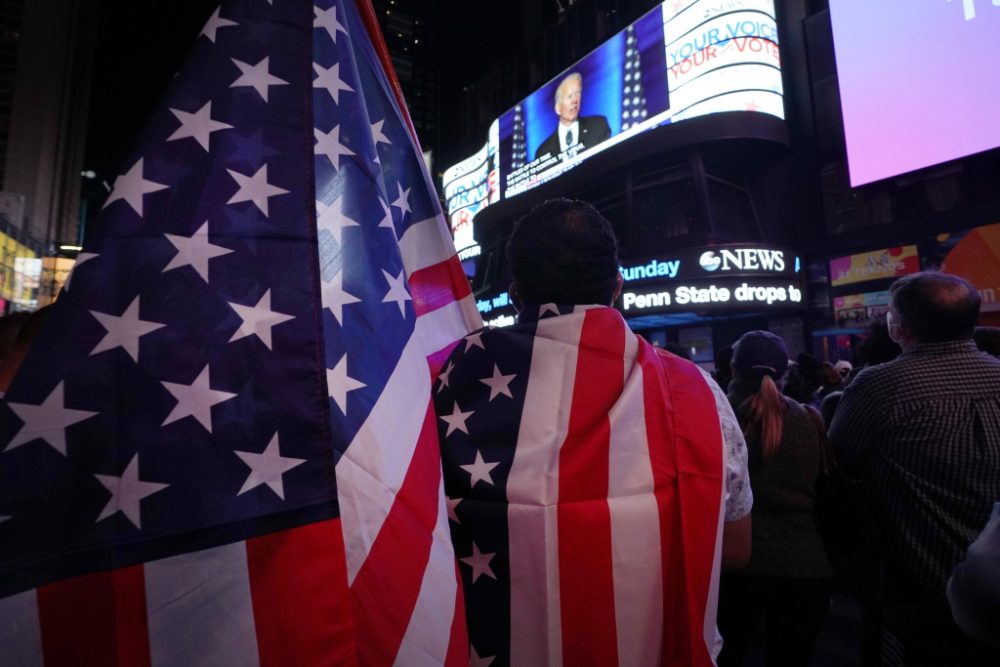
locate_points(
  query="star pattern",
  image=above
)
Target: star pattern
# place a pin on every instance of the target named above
(214, 23)
(47, 421)
(499, 383)
(456, 420)
(194, 251)
(329, 79)
(452, 504)
(267, 468)
(195, 400)
(328, 144)
(257, 77)
(443, 376)
(476, 661)
(402, 202)
(198, 125)
(258, 320)
(254, 188)
(339, 383)
(131, 186)
(332, 219)
(378, 135)
(327, 20)
(474, 340)
(397, 291)
(479, 470)
(480, 563)
(127, 493)
(335, 297)
(124, 330)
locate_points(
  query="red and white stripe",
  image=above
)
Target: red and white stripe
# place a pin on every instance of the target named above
(588, 496)
(400, 560)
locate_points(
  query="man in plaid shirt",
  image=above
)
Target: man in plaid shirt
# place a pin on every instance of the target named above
(923, 434)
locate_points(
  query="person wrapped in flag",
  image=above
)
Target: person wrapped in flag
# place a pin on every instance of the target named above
(221, 450)
(595, 483)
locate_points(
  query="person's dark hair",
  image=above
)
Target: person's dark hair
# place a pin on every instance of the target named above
(878, 347)
(988, 340)
(936, 307)
(563, 251)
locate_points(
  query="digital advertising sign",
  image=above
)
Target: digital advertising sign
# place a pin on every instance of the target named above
(470, 186)
(918, 82)
(682, 59)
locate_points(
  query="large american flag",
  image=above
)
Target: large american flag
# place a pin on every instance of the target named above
(584, 472)
(221, 449)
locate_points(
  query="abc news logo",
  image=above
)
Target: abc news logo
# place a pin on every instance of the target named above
(742, 259)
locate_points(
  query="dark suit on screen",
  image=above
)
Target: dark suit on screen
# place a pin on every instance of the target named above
(593, 130)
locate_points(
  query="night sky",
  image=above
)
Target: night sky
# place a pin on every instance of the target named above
(143, 43)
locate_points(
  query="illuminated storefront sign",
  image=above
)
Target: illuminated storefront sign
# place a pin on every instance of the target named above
(874, 265)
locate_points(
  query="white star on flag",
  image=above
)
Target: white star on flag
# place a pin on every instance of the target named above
(499, 384)
(339, 383)
(335, 297)
(258, 320)
(127, 492)
(397, 291)
(327, 19)
(480, 470)
(328, 144)
(480, 563)
(474, 340)
(332, 218)
(47, 421)
(402, 201)
(456, 420)
(124, 330)
(548, 308)
(267, 468)
(81, 259)
(194, 251)
(443, 376)
(476, 661)
(378, 136)
(452, 504)
(254, 188)
(386, 217)
(131, 186)
(195, 400)
(214, 23)
(198, 125)
(256, 76)
(329, 78)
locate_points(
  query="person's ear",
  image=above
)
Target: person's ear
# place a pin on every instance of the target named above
(619, 281)
(515, 297)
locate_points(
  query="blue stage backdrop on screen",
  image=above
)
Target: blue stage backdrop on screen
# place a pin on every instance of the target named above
(602, 74)
(653, 59)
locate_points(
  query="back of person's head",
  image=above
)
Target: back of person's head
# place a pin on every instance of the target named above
(760, 358)
(563, 251)
(935, 307)
(988, 340)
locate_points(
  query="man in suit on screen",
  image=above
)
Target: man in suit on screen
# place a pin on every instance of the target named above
(573, 129)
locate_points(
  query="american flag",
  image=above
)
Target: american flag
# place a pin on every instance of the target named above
(583, 470)
(221, 449)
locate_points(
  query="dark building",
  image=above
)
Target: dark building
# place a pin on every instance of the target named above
(719, 189)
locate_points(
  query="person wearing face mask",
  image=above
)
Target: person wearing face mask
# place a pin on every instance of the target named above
(922, 433)
(573, 129)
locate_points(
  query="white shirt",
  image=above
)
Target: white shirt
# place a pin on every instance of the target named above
(574, 130)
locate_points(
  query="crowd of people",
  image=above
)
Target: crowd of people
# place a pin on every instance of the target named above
(879, 478)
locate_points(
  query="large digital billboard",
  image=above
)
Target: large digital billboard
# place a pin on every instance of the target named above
(682, 59)
(470, 186)
(919, 82)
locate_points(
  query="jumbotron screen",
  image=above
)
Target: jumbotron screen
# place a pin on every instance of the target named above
(682, 59)
(919, 82)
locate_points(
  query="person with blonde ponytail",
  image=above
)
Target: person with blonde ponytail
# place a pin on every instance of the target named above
(788, 579)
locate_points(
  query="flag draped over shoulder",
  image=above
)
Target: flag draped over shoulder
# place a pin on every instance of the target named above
(221, 448)
(584, 474)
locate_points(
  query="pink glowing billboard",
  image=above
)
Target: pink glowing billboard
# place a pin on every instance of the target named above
(919, 82)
